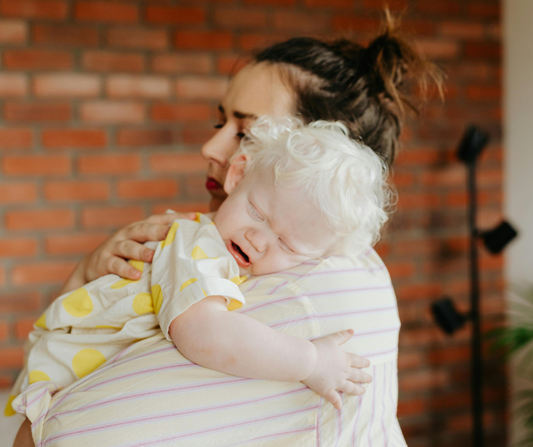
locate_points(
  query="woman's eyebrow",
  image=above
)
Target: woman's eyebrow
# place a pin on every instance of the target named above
(241, 115)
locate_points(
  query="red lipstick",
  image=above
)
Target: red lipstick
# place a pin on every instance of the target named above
(212, 184)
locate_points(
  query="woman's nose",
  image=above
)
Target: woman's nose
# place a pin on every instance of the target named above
(257, 239)
(220, 147)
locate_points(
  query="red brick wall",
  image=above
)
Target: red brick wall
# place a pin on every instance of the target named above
(104, 105)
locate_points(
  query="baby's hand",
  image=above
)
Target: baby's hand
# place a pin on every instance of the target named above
(336, 369)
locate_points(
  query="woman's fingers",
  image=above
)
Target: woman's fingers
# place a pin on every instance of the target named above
(121, 267)
(167, 219)
(358, 376)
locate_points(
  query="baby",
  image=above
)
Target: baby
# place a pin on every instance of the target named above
(295, 193)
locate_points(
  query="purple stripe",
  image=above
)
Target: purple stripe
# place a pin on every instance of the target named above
(385, 406)
(270, 303)
(275, 289)
(219, 428)
(155, 392)
(338, 416)
(307, 428)
(324, 293)
(357, 416)
(318, 434)
(373, 408)
(169, 415)
(378, 353)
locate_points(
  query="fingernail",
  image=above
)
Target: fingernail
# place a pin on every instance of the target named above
(192, 215)
(148, 255)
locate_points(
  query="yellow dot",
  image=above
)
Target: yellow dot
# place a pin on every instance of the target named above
(86, 361)
(187, 283)
(142, 303)
(41, 322)
(157, 297)
(205, 294)
(8, 411)
(38, 376)
(234, 304)
(103, 326)
(239, 279)
(139, 265)
(198, 217)
(78, 303)
(198, 253)
(170, 236)
(122, 283)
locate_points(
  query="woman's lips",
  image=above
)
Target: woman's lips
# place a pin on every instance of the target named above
(212, 184)
(241, 261)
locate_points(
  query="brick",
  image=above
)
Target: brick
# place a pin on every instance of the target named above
(111, 217)
(463, 30)
(231, 65)
(34, 9)
(4, 331)
(36, 60)
(17, 247)
(180, 112)
(74, 138)
(17, 193)
(438, 49)
(2, 276)
(178, 163)
(13, 85)
(393, 5)
(422, 156)
(137, 86)
(53, 112)
(109, 164)
(454, 175)
(195, 186)
(483, 50)
(409, 407)
(73, 191)
(255, 42)
(198, 136)
(39, 219)
(13, 31)
(197, 88)
(42, 273)
(449, 354)
(439, 7)
(401, 270)
(143, 189)
(423, 380)
(106, 12)
(484, 10)
(483, 93)
(148, 137)
(23, 327)
(419, 291)
(112, 112)
(6, 382)
(104, 61)
(19, 302)
(304, 23)
(419, 201)
(16, 138)
(176, 63)
(11, 357)
(73, 244)
(238, 18)
(329, 3)
(66, 85)
(200, 207)
(203, 40)
(409, 360)
(271, 2)
(67, 35)
(36, 165)
(149, 39)
(174, 15)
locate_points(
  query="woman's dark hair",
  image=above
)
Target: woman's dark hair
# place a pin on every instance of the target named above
(363, 87)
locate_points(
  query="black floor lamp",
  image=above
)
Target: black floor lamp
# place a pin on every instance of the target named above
(446, 316)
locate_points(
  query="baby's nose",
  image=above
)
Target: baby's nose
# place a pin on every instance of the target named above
(257, 239)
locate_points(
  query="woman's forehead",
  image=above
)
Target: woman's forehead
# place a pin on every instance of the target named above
(258, 90)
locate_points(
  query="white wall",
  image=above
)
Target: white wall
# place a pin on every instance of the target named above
(518, 141)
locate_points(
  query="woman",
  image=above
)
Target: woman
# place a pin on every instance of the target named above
(150, 394)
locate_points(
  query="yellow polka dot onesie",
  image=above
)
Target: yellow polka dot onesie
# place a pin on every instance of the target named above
(83, 329)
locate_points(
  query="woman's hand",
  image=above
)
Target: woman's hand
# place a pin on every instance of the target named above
(336, 369)
(126, 243)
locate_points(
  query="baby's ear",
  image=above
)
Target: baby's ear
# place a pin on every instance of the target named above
(235, 173)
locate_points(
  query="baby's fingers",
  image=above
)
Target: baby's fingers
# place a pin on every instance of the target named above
(342, 336)
(357, 361)
(333, 397)
(351, 388)
(359, 376)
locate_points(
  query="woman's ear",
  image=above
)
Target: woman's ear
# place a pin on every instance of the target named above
(235, 173)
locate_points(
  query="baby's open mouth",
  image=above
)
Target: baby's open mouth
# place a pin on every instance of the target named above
(238, 249)
(242, 258)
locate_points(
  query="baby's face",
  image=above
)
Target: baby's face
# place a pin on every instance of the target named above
(268, 228)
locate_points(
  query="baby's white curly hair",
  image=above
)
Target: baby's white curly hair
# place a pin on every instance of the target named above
(346, 180)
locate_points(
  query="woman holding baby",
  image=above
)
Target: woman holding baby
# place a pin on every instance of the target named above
(152, 395)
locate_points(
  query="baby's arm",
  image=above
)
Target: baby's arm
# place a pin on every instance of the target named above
(236, 344)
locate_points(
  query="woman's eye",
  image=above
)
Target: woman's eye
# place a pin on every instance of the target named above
(254, 214)
(218, 126)
(241, 134)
